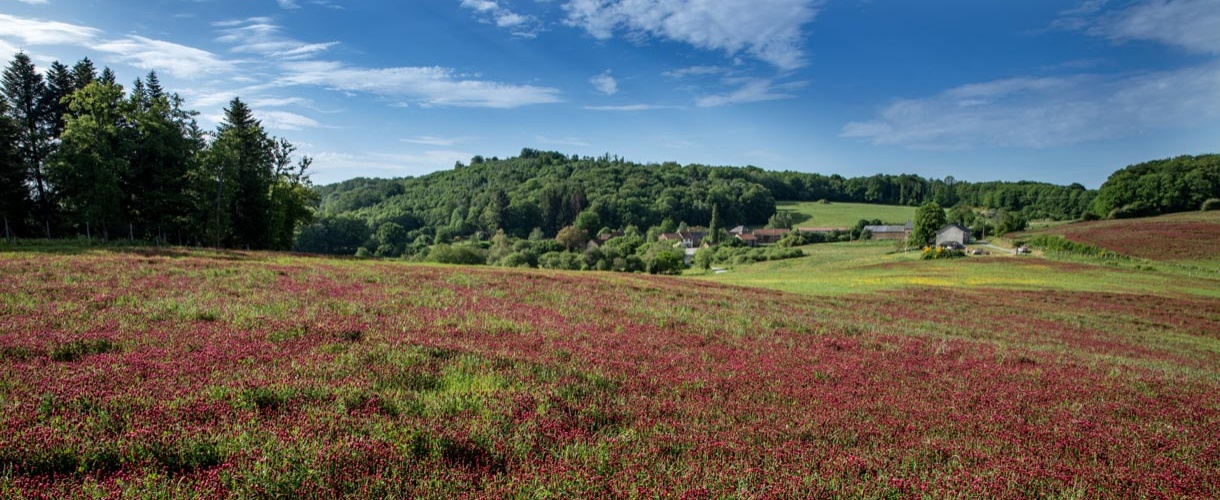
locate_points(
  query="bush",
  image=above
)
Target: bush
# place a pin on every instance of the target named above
(934, 253)
(1132, 211)
(1211, 204)
(456, 254)
(1058, 244)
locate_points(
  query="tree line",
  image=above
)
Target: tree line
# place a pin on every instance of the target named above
(1170, 185)
(547, 191)
(82, 155)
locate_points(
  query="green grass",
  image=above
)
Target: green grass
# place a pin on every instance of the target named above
(863, 267)
(814, 214)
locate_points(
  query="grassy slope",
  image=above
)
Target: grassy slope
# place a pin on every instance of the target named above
(1184, 238)
(844, 268)
(194, 374)
(813, 214)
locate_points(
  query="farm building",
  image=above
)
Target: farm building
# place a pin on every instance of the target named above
(953, 235)
(769, 236)
(739, 230)
(689, 239)
(751, 240)
(890, 232)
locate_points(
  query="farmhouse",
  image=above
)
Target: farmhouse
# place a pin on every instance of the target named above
(749, 239)
(769, 236)
(890, 232)
(739, 230)
(689, 239)
(823, 230)
(952, 235)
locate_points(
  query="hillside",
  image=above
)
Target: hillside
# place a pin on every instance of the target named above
(549, 190)
(1183, 237)
(843, 215)
(256, 374)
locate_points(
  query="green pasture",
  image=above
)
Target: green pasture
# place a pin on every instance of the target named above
(815, 214)
(871, 266)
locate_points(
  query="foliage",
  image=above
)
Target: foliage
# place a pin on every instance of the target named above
(1210, 204)
(937, 253)
(928, 220)
(104, 162)
(458, 253)
(1058, 244)
(1161, 186)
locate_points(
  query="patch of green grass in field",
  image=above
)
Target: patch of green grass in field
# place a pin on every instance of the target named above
(843, 215)
(862, 267)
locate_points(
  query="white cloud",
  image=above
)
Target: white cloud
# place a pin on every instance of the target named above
(34, 2)
(429, 140)
(37, 32)
(428, 86)
(283, 120)
(258, 35)
(495, 13)
(1193, 25)
(178, 60)
(330, 166)
(276, 102)
(1046, 112)
(768, 30)
(627, 107)
(288, 4)
(605, 83)
(695, 71)
(749, 90)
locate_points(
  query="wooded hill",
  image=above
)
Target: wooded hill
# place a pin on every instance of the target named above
(549, 190)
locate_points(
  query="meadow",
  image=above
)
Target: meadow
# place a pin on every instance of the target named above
(200, 374)
(843, 215)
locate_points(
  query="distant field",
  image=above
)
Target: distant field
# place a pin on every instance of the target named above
(813, 214)
(1185, 237)
(171, 373)
(862, 267)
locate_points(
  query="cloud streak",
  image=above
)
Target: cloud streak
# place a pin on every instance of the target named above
(767, 30)
(1046, 112)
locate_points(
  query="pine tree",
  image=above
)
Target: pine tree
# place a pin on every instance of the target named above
(83, 73)
(59, 86)
(14, 192)
(242, 165)
(24, 90)
(713, 227)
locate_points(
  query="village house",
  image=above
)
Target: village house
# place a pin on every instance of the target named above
(689, 239)
(890, 232)
(748, 238)
(953, 236)
(769, 236)
(739, 230)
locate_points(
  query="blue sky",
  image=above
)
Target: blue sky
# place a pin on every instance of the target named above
(1057, 91)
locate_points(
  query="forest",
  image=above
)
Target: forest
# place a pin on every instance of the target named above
(1170, 185)
(80, 155)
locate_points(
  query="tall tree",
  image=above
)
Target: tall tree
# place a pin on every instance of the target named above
(164, 153)
(713, 227)
(59, 86)
(929, 218)
(242, 165)
(291, 197)
(92, 164)
(14, 191)
(83, 73)
(25, 90)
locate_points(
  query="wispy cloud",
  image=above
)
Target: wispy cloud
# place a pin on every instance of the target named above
(430, 140)
(34, 2)
(770, 31)
(283, 120)
(332, 166)
(605, 83)
(496, 13)
(695, 71)
(38, 32)
(628, 107)
(178, 60)
(1046, 112)
(750, 90)
(288, 4)
(1192, 25)
(427, 86)
(259, 35)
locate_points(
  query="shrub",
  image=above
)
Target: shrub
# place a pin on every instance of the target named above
(934, 253)
(1211, 204)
